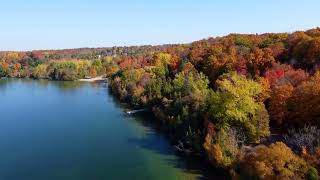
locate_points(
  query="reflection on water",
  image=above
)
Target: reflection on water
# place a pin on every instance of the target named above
(77, 130)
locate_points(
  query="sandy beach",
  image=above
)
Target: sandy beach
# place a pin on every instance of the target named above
(99, 78)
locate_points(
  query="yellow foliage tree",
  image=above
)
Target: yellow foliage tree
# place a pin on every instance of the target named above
(274, 162)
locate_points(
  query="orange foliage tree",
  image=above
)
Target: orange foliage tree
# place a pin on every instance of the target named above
(283, 80)
(305, 103)
(93, 72)
(274, 162)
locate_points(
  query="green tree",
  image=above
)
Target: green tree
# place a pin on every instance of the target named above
(40, 71)
(62, 70)
(97, 64)
(190, 91)
(83, 68)
(234, 104)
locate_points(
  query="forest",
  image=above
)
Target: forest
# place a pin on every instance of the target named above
(250, 103)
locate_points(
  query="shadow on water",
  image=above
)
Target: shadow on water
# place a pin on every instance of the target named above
(67, 85)
(156, 141)
(153, 136)
(5, 82)
(61, 85)
(189, 164)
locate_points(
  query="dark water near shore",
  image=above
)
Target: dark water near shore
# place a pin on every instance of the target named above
(77, 130)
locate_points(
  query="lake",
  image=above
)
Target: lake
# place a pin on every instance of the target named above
(78, 130)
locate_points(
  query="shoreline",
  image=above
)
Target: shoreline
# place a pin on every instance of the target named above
(99, 78)
(96, 79)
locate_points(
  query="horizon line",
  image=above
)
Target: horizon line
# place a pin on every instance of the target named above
(157, 44)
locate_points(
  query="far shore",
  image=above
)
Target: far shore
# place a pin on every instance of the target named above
(99, 78)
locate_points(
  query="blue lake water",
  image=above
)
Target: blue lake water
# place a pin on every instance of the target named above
(78, 131)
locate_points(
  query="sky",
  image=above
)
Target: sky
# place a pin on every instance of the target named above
(59, 24)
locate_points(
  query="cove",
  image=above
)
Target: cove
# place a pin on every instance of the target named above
(79, 131)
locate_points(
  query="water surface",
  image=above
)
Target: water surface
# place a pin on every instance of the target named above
(78, 131)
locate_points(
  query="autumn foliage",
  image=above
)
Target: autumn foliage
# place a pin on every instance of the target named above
(274, 162)
(220, 97)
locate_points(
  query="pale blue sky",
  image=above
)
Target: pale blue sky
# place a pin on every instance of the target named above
(57, 24)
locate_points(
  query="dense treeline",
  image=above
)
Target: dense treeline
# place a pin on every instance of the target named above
(26, 64)
(234, 97)
(38, 56)
(251, 103)
(67, 70)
